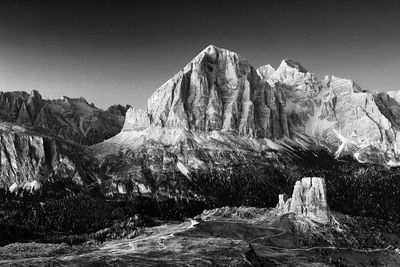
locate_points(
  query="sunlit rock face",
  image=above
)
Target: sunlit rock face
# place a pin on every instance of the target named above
(72, 119)
(308, 200)
(299, 89)
(337, 112)
(218, 110)
(360, 120)
(136, 119)
(283, 205)
(27, 159)
(218, 90)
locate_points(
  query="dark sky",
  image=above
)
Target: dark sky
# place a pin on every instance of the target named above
(121, 51)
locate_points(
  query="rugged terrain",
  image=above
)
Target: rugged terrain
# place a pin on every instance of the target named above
(219, 95)
(219, 133)
(229, 237)
(219, 125)
(45, 140)
(30, 158)
(72, 119)
(219, 110)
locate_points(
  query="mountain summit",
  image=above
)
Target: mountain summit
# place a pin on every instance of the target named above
(219, 92)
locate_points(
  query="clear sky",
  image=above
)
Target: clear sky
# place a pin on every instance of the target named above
(119, 52)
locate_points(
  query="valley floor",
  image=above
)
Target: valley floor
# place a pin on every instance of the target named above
(223, 237)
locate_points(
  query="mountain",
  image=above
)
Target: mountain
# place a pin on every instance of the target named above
(72, 119)
(218, 133)
(215, 114)
(216, 110)
(45, 140)
(218, 91)
(219, 110)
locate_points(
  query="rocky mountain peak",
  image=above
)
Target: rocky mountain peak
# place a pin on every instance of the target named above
(217, 90)
(35, 94)
(291, 72)
(289, 63)
(266, 71)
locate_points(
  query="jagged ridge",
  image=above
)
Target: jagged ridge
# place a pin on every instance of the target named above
(220, 91)
(73, 119)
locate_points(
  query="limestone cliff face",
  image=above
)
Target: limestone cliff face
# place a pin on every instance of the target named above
(336, 111)
(136, 119)
(395, 95)
(309, 199)
(218, 110)
(28, 159)
(217, 90)
(299, 89)
(73, 119)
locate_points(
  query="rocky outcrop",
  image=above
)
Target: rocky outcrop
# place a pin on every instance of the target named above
(266, 72)
(72, 119)
(395, 95)
(308, 200)
(284, 203)
(118, 110)
(136, 119)
(28, 159)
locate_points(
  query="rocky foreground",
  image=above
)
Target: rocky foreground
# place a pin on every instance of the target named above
(300, 231)
(230, 237)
